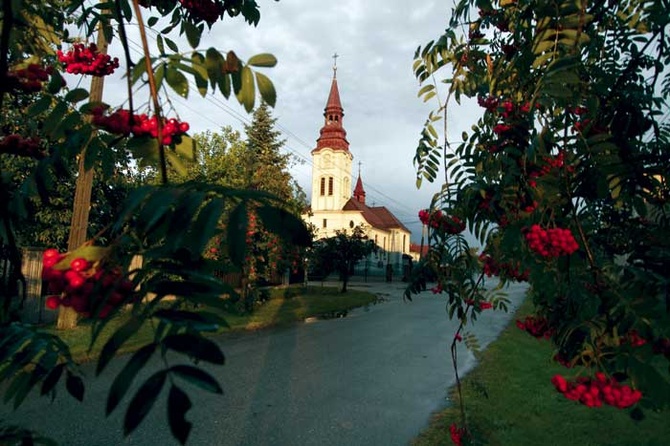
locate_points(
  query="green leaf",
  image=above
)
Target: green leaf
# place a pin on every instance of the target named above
(425, 89)
(266, 89)
(173, 46)
(39, 106)
(215, 302)
(285, 224)
(176, 163)
(152, 21)
(192, 33)
(88, 252)
(237, 229)
(75, 386)
(125, 378)
(206, 223)
(69, 123)
(159, 75)
(17, 389)
(246, 94)
(54, 119)
(201, 321)
(138, 69)
(143, 401)
(201, 73)
(120, 336)
(195, 346)
(225, 85)
(186, 148)
(429, 96)
(214, 63)
(160, 44)
(144, 149)
(262, 60)
(178, 405)
(52, 379)
(127, 11)
(108, 31)
(55, 83)
(197, 377)
(131, 205)
(177, 81)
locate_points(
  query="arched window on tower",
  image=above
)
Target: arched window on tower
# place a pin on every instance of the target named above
(323, 186)
(330, 185)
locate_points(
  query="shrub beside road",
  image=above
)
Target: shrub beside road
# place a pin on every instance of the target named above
(511, 401)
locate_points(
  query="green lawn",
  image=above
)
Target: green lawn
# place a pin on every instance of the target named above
(511, 402)
(286, 306)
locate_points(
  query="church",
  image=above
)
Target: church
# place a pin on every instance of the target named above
(333, 204)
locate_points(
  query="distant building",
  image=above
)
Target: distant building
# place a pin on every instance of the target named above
(418, 251)
(333, 204)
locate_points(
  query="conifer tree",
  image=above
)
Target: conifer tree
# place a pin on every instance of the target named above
(266, 167)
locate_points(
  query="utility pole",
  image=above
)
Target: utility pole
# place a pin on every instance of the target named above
(67, 317)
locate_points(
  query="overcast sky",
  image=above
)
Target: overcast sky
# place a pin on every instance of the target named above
(375, 41)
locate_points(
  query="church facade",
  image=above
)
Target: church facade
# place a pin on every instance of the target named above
(335, 206)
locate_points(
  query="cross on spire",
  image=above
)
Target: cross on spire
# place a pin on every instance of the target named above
(335, 56)
(359, 168)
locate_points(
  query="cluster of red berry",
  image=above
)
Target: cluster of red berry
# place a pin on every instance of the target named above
(15, 144)
(456, 434)
(552, 242)
(482, 304)
(203, 10)
(549, 163)
(633, 338)
(442, 222)
(74, 287)
(585, 126)
(512, 114)
(87, 60)
(537, 326)
(593, 392)
(506, 108)
(122, 122)
(509, 270)
(27, 80)
(496, 17)
(562, 360)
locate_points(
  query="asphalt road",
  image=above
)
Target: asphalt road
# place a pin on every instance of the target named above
(371, 378)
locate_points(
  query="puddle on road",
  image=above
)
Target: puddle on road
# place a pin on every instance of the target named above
(380, 298)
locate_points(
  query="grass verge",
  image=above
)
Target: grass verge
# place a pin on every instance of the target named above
(286, 306)
(510, 401)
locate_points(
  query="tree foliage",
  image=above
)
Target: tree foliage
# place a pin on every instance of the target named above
(52, 124)
(573, 135)
(340, 253)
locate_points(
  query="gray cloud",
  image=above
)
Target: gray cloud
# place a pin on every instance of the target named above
(376, 40)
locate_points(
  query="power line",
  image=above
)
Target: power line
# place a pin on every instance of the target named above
(245, 120)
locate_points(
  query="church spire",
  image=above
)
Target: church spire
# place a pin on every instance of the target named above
(332, 134)
(359, 192)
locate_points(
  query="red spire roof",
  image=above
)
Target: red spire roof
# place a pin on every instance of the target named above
(359, 192)
(332, 133)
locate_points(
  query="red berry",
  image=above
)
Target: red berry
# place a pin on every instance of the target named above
(52, 302)
(80, 264)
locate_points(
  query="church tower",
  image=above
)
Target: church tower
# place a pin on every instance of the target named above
(331, 159)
